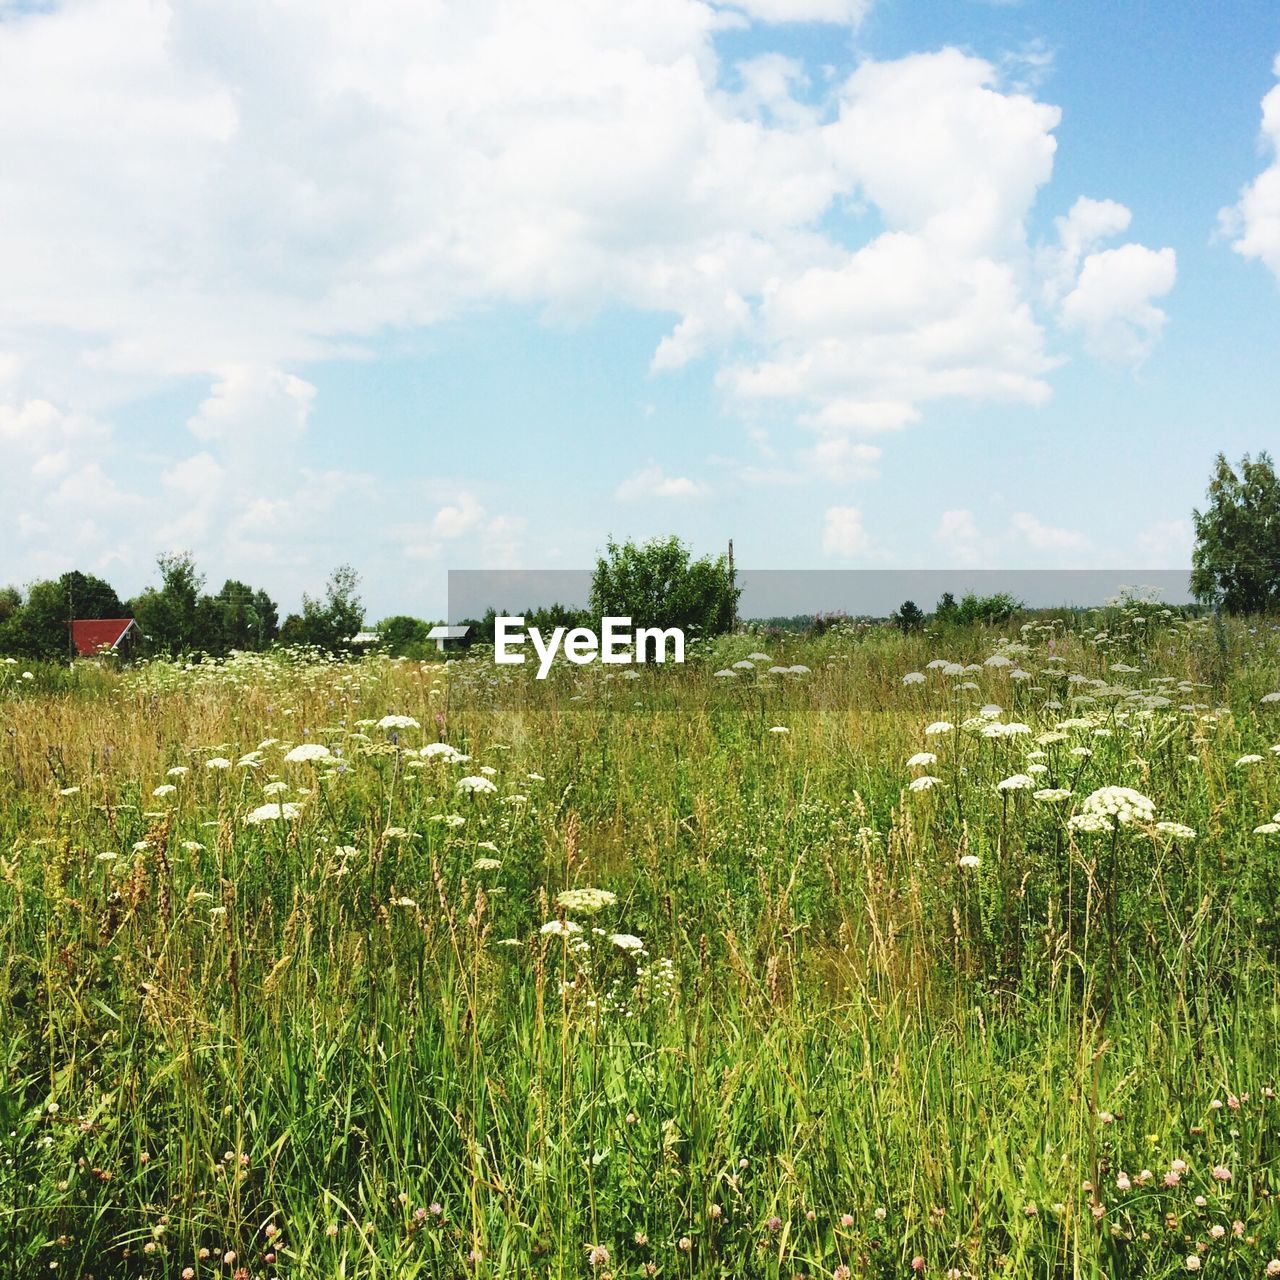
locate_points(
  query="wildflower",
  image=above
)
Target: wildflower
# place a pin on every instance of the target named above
(398, 722)
(1193, 1262)
(487, 864)
(217, 762)
(586, 901)
(920, 759)
(1217, 1231)
(970, 862)
(1177, 830)
(1122, 804)
(166, 789)
(1273, 1267)
(307, 751)
(597, 1255)
(476, 785)
(270, 812)
(937, 727)
(774, 1224)
(1221, 1173)
(1248, 760)
(881, 1214)
(626, 942)
(779, 728)
(684, 1244)
(913, 677)
(1018, 782)
(924, 782)
(1051, 795)
(1122, 1181)
(560, 928)
(178, 771)
(1172, 1178)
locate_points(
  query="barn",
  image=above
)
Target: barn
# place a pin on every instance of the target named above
(96, 637)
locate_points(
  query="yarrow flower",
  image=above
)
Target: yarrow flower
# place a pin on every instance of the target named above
(913, 677)
(560, 928)
(217, 762)
(307, 751)
(1177, 830)
(476, 785)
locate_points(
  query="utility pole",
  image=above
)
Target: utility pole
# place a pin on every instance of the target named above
(71, 626)
(732, 584)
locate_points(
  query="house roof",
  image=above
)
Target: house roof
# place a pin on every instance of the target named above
(447, 633)
(91, 635)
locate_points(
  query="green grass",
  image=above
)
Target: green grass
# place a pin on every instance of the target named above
(333, 1040)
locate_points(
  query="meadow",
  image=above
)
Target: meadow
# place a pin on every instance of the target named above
(949, 954)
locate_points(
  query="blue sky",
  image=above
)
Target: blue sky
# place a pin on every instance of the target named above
(857, 283)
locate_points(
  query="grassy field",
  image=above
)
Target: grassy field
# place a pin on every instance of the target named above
(686, 975)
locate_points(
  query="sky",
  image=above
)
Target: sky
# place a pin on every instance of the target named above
(419, 285)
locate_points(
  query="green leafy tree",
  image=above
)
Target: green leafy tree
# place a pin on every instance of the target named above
(910, 617)
(1236, 561)
(239, 618)
(331, 622)
(658, 583)
(403, 635)
(171, 617)
(946, 609)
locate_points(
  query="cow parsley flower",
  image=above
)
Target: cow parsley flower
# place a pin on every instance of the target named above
(165, 789)
(1177, 830)
(586, 901)
(1123, 804)
(1051, 795)
(1247, 760)
(920, 759)
(476, 785)
(970, 862)
(925, 782)
(217, 762)
(913, 677)
(307, 751)
(1018, 782)
(398, 722)
(272, 812)
(560, 928)
(937, 727)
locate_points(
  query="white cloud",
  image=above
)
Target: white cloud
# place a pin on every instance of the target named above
(1111, 302)
(652, 482)
(1042, 537)
(457, 518)
(1254, 221)
(849, 12)
(1167, 543)
(843, 533)
(840, 460)
(957, 534)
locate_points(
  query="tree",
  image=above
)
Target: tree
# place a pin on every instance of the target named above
(329, 623)
(171, 618)
(656, 583)
(403, 634)
(910, 617)
(241, 618)
(1236, 561)
(946, 609)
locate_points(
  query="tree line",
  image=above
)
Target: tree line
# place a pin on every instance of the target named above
(178, 615)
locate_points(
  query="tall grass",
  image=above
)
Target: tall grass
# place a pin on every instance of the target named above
(356, 1042)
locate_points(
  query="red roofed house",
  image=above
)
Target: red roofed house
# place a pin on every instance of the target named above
(96, 636)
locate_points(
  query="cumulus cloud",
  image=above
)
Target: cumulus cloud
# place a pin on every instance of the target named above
(843, 534)
(1043, 537)
(1253, 223)
(230, 192)
(653, 482)
(1111, 302)
(957, 535)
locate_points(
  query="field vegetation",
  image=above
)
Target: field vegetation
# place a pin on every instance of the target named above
(875, 953)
